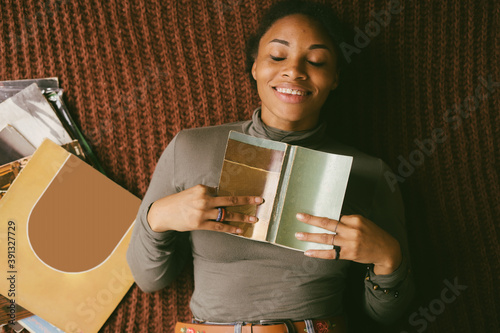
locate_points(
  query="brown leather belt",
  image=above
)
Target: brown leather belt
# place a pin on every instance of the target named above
(331, 325)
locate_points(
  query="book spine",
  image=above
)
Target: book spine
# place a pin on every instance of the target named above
(281, 194)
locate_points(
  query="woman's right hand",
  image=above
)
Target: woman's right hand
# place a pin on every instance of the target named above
(196, 209)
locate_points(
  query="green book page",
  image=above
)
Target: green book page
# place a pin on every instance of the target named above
(316, 186)
(280, 194)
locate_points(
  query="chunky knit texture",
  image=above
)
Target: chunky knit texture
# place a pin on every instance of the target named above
(137, 72)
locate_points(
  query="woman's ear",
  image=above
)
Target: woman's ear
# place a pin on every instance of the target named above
(254, 70)
(335, 83)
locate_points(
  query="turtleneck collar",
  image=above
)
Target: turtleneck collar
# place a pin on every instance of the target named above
(311, 138)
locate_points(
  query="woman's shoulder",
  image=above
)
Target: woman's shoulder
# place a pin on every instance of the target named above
(196, 155)
(196, 143)
(207, 135)
(367, 182)
(362, 162)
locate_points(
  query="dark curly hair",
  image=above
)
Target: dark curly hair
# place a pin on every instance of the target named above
(320, 13)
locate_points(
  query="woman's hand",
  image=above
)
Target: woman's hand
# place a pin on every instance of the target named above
(359, 239)
(196, 209)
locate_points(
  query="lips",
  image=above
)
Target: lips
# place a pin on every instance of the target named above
(291, 91)
(291, 94)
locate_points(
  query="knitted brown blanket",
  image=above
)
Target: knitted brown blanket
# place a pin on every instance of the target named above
(422, 94)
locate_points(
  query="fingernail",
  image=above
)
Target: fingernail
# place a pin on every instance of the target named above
(259, 200)
(239, 231)
(300, 216)
(308, 253)
(299, 235)
(252, 219)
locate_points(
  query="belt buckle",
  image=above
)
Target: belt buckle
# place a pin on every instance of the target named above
(290, 328)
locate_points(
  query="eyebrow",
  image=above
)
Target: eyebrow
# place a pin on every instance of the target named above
(312, 47)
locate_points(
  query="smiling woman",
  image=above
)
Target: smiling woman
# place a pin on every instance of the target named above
(295, 70)
(294, 60)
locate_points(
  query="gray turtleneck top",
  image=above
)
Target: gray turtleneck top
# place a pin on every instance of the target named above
(237, 279)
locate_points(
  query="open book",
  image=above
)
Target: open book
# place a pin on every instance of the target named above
(291, 179)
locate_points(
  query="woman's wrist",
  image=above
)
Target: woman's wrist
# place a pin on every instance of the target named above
(391, 262)
(152, 218)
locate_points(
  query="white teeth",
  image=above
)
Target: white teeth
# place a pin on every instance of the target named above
(291, 91)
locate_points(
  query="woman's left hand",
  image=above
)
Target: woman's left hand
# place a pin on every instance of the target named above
(359, 239)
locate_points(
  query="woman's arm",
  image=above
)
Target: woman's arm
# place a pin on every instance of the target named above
(387, 296)
(155, 258)
(160, 245)
(379, 241)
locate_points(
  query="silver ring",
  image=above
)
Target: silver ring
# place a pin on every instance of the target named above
(336, 226)
(335, 233)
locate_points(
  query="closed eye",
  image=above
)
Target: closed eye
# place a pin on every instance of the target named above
(277, 58)
(317, 64)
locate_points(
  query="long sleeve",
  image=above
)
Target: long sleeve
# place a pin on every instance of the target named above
(387, 296)
(155, 258)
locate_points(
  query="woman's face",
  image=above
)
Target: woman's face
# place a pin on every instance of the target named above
(295, 70)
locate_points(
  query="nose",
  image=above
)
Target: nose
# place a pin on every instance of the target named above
(294, 69)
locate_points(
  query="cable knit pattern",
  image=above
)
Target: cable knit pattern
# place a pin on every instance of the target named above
(137, 72)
